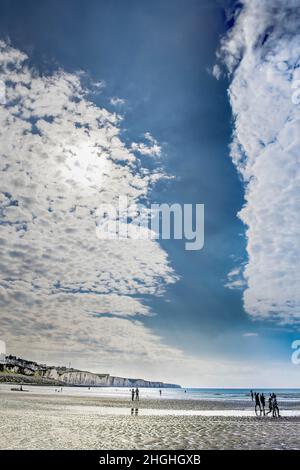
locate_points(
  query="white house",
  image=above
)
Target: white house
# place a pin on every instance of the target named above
(2, 352)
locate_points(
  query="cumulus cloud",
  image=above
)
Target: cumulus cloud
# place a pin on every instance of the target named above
(150, 147)
(235, 279)
(64, 292)
(115, 101)
(262, 55)
(216, 71)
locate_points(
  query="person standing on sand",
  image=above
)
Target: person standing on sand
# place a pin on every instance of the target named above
(132, 394)
(137, 394)
(270, 403)
(160, 392)
(257, 401)
(275, 406)
(251, 393)
(263, 402)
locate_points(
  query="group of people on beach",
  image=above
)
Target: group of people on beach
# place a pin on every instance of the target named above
(260, 404)
(135, 394)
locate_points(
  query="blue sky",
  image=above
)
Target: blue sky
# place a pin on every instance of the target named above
(158, 56)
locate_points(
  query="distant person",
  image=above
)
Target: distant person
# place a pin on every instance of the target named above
(137, 394)
(275, 407)
(251, 394)
(263, 403)
(132, 394)
(270, 403)
(160, 392)
(257, 402)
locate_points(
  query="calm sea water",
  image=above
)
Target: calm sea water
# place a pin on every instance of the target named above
(241, 393)
(286, 394)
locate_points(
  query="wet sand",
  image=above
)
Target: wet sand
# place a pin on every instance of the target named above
(62, 422)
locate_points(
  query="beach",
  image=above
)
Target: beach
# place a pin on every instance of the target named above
(49, 419)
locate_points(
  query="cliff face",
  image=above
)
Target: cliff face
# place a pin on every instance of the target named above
(77, 377)
(64, 376)
(123, 382)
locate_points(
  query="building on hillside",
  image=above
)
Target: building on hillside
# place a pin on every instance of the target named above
(2, 354)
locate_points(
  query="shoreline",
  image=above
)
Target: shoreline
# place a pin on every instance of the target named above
(149, 398)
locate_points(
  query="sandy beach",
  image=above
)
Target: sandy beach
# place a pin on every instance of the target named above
(36, 421)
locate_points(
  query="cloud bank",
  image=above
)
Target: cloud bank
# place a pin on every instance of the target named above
(262, 55)
(65, 294)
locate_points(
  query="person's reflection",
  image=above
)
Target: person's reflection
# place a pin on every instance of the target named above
(134, 411)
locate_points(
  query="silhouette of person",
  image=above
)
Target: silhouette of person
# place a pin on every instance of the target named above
(257, 401)
(137, 394)
(275, 406)
(270, 402)
(160, 392)
(252, 395)
(132, 394)
(263, 402)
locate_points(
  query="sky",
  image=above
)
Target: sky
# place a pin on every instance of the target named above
(164, 102)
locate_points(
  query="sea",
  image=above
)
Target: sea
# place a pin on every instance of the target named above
(285, 394)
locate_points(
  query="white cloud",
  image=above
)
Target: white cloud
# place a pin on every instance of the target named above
(262, 53)
(235, 279)
(64, 292)
(216, 71)
(150, 148)
(115, 101)
(249, 335)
